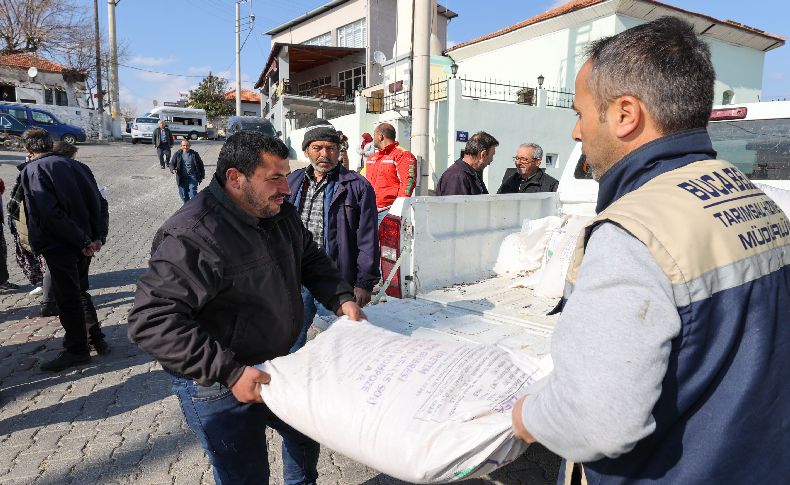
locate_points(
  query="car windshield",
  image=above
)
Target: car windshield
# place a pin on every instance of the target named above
(759, 148)
(147, 120)
(262, 126)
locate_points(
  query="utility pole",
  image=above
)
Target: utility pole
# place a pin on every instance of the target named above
(114, 111)
(421, 70)
(238, 57)
(99, 94)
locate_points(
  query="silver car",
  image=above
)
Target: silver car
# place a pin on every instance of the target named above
(143, 129)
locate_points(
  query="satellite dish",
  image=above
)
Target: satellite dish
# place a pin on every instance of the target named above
(32, 72)
(379, 58)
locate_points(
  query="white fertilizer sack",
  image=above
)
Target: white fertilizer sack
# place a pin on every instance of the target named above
(523, 251)
(780, 196)
(420, 410)
(559, 251)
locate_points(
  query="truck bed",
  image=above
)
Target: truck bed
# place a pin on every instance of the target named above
(493, 311)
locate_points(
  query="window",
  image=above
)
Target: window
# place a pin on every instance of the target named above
(310, 88)
(759, 148)
(19, 114)
(42, 118)
(323, 39)
(7, 93)
(61, 98)
(352, 35)
(48, 97)
(352, 79)
(180, 120)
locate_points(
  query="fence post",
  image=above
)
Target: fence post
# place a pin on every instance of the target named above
(542, 97)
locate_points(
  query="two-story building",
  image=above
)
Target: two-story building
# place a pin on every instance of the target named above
(321, 60)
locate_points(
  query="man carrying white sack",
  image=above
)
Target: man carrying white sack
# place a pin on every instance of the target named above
(671, 356)
(222, 294)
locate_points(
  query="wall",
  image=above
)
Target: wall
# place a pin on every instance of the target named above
(738, 69)
(322, 23)
(75, 92)
(511, 124)
(558, 56)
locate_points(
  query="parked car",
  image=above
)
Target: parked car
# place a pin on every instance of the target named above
(10, 131)
(254, 123)
(39, 118)
(143, 128)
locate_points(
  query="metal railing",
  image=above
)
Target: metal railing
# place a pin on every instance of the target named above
(559, 98)
(438, 90)
(400, 101)
(498, 91)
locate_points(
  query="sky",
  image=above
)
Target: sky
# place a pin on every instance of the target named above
(172, 49)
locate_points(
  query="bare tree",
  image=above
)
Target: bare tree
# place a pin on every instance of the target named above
(50, 26)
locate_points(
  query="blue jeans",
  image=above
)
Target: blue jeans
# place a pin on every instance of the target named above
(234, 435)
(187, 187)
(311, 307)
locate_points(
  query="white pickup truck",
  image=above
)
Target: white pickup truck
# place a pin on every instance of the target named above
(446, 247)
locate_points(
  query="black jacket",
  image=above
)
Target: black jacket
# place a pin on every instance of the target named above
(177, 159)
(63, 205)
(461, 179)
(222, 288)
(157, 139)
(512, 183)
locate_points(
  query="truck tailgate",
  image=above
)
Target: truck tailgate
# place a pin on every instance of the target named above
(491, 311)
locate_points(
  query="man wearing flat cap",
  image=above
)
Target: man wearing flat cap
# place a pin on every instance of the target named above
(338, 207)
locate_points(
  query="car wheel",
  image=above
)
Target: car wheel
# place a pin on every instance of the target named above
(71, 139)
(134, 141)
(193, 135)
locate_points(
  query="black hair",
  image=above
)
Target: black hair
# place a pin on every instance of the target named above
(242, 151)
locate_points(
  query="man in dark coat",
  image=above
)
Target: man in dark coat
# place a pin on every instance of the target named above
(188, 168)
(67, 222)
(163, 142)
(338, 206)
(527, 176)
(465, 176)
(222, 294)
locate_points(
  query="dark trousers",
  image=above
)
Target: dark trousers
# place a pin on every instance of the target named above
(3, 250)
(163, 152)
(234, 435)
(69, 272)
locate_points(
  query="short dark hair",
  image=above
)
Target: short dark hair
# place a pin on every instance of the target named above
(664, 64)
(480, 142)
(37, 140)
(242, 151)
(387, 130)
(64, 148)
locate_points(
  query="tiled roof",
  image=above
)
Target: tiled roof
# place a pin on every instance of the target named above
(26, 61)
(246, 95)
(575, 5)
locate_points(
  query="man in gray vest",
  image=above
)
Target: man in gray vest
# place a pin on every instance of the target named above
(671, 360)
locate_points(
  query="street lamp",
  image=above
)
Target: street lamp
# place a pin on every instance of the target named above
(540, 81)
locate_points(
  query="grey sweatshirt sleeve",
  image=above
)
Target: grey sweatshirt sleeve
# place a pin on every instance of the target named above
(610, 350)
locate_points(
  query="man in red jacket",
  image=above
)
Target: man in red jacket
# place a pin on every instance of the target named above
(392, 171)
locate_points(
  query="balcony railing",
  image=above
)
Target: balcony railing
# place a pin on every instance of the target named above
(560, 98)
(493, 90)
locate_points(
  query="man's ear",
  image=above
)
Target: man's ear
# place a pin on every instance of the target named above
(234, 178)
(627, 113)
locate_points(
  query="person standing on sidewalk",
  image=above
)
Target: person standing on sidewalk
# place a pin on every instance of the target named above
(163, 142)
(67, 223)
(5, 285)
(221, 295)
(392, 171)
(338, 207)
(187, 166)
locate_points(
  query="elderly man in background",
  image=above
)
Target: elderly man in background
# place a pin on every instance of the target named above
(338, 206)
(527, 176)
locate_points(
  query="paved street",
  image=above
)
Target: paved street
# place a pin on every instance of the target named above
(115, 421)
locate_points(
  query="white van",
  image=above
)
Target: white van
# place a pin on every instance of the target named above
(185, 122)
(755, 137)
